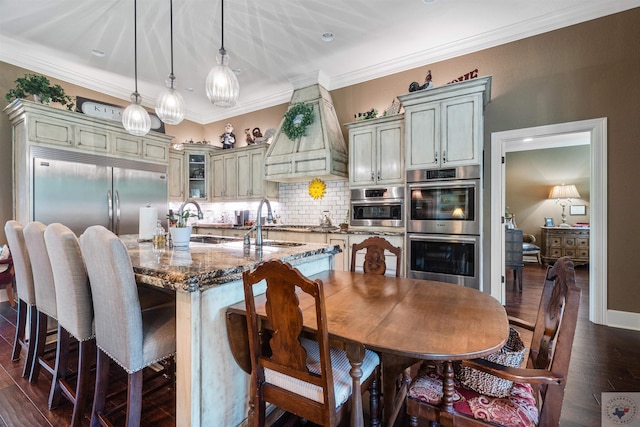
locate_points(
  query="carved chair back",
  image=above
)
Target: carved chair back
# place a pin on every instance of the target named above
(283, 351)
(374, 259)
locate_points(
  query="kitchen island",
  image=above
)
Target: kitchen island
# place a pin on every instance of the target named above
(211, 389)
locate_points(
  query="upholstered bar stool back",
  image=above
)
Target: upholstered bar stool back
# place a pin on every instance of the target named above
(45, 293)
(137, 339)
(26, 294)
(75, 318)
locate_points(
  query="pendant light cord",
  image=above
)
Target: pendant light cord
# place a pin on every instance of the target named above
(135, 43)
(222, 51)
(171, 28)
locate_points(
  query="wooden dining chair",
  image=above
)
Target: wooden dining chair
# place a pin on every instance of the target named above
(374, 258)
(299, 375)
(6, 277)
(538, 391)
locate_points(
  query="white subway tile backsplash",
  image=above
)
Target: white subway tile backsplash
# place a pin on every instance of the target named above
(294, 205)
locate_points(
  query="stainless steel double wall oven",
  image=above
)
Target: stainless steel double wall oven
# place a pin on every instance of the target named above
(443, 224)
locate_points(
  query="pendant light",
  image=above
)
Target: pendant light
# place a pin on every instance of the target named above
(222, 84)
(170, 106)
(135, 118)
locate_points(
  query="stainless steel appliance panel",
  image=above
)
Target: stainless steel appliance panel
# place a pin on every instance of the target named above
(445, 258)
(74, 194)
(80, 190)
(377, 207)
(133, 189)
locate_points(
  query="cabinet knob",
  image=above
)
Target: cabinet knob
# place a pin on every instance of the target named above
(444, 156)
(436, 158)
(372, 176)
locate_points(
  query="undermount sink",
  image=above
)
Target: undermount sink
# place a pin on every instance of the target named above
(216, 240)
(213, 240)
(280, 243)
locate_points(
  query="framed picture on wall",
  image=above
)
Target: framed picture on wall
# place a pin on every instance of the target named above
(548, 222)
(577, 210)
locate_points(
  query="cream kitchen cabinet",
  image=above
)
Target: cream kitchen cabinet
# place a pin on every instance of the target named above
(177, 176)
(444, 126)
(341, 261)
(251, 183)
(224, 173)
(189, 171)
(238, 174)
(376, 151)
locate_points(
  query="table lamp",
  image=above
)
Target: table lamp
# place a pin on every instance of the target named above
(563, 195)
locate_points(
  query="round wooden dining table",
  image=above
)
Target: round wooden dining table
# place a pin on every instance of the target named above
(404, 320)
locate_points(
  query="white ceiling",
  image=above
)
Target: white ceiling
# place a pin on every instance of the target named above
(275, 44)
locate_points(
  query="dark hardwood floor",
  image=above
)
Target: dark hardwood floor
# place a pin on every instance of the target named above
(603, 359)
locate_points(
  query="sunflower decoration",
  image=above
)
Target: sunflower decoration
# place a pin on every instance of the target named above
(296, 120)
(317, 189)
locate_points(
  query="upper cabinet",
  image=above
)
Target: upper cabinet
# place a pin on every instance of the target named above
(444, 125)
(176, 176)
(56, 128)
(189, 173)
(238, 174)
(376, 151)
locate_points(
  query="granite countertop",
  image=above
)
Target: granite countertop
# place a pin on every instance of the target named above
(205, 265)
(382, 231)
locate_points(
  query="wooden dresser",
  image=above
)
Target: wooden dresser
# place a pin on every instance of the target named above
(565, 241)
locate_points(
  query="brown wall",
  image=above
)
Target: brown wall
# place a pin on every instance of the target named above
(581, 72)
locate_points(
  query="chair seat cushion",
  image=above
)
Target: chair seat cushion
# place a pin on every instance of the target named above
(530, 247)
(342, 381)
(516, 410)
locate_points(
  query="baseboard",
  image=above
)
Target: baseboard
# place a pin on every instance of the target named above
(623, 319)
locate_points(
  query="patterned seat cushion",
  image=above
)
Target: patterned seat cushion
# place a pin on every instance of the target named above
(342, 381)
(516, 410)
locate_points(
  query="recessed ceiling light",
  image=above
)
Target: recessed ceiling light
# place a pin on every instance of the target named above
(327, 37)
(97, 52)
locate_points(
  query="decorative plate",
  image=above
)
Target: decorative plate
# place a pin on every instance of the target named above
(317, 188)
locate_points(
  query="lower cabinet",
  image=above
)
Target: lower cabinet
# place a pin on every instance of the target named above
(345, 241)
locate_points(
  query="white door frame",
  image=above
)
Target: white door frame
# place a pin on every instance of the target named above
(513, 140)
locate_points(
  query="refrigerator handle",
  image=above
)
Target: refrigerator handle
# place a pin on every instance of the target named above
(110, 209)
(117, 223)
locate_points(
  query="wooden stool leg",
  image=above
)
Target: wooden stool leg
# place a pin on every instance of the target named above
(102, 383)
(31, 346)
(20, 328)
(85, 351)
(60, 368)
(134, 399)
(39, 341)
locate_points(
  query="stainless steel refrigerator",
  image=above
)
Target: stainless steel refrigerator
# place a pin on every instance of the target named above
(80, 190)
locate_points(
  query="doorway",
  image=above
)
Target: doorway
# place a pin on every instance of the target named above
(552, 136)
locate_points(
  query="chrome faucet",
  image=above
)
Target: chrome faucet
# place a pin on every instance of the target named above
(259, 220)
(193, 202)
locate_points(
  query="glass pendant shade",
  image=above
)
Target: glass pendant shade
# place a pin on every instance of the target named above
(222, 84)
(170, 107)
(135, 118)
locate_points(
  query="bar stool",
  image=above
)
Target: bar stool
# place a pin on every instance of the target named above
(45, 294)
(75, 318)
(26, 295)
(139, 338)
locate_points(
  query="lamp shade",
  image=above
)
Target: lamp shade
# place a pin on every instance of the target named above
(170, 108)
(135, 118)
(564, 192)
(222, 84)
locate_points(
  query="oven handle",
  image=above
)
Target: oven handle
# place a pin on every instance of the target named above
(377, 202)
(445, 184)
(444, 237)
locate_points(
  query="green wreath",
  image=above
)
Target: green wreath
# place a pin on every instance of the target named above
(296, 120)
